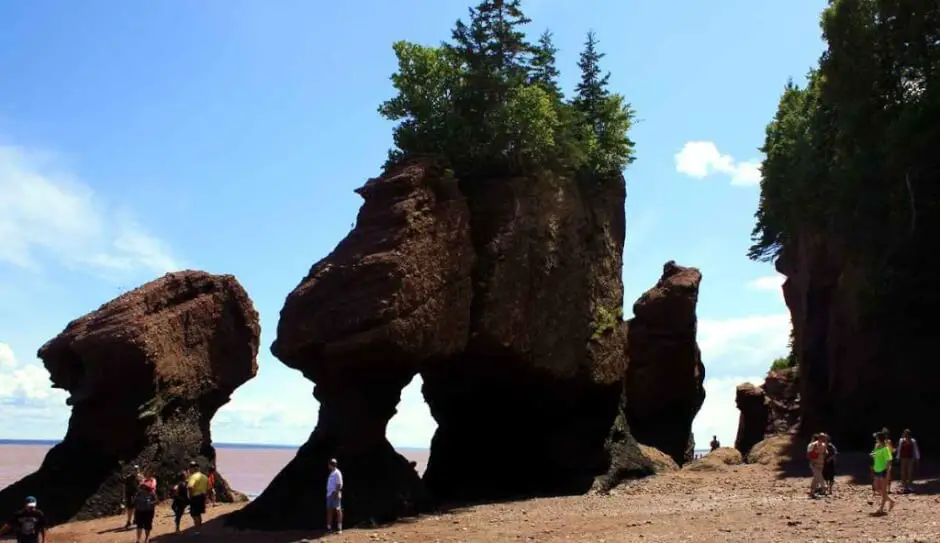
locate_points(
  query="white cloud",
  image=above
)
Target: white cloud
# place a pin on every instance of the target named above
(46, 212)
(768, 282)
(700, 159)
(719, 413)
(25, 383)
(742, 345)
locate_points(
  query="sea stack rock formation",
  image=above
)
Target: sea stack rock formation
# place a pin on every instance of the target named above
(146, 372)
(768, 410)
(665, 374)
(752, 421)
(504, 295)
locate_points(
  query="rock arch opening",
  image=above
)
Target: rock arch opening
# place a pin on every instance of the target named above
(411, 429)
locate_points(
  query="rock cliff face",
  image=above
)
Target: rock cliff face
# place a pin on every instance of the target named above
(146, 373)
(665, 374)
(501, 294)
(768, 410)
(851, 357)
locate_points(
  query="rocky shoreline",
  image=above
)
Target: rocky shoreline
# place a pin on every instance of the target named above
(763, 502)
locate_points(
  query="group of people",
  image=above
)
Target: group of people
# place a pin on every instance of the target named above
(821, 454)
(192, 489)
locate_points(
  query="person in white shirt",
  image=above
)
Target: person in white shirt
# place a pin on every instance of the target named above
(334, 498)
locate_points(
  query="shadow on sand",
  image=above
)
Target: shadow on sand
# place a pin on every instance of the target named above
(217, 530)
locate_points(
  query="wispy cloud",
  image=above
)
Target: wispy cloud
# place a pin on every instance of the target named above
(743, 345)
(701, 159)
(768, 282)
(48, 215)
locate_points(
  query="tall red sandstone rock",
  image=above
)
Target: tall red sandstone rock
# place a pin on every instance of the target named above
(491, 291)
(146, 372)
(665, 374)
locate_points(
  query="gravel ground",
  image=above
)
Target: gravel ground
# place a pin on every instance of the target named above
(749, 503)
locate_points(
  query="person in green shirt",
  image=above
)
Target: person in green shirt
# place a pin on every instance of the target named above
(881, 463)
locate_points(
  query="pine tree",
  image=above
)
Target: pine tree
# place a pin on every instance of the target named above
(605, 118)
(543, 71)
(592, 89)
(495, 52)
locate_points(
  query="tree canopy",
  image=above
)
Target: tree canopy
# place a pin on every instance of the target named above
(489, 102)
(851, 156)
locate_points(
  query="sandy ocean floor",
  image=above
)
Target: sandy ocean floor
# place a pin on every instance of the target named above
(748, 503)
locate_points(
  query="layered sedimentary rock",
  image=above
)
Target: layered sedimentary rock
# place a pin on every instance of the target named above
(504, 296)
(146, 373)
(665, 374)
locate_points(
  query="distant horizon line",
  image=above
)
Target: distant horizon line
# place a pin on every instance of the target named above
(218, 445)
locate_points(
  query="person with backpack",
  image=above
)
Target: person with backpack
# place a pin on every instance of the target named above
(28, 524)
(829, 467)
(909, 453)
(145, 505)
(180, 499)
(816, 454)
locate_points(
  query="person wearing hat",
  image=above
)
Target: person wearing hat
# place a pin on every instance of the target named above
(132, 481)
(334, 497)
(29, 523)
(198, 485)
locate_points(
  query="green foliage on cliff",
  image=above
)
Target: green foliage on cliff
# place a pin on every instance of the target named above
(781, 363)
(851, 156)
(489, 102)
(605, 320)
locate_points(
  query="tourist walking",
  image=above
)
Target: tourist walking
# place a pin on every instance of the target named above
(894, 454)
(210, 494)
(816, 454)
(180, 499)
(28, 524)
(715, 444)
(882, 457)
(132, 481)
(829, 467)
(334, 497)
(145, 505)
(909, 453)
(198, 485)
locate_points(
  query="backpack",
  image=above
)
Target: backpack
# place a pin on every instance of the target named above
(145, 501)
(812, 452)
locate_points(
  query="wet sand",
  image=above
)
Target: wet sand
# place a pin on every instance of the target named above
(748, 503)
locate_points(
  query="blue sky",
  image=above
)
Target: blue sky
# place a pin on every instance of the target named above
(228, 135)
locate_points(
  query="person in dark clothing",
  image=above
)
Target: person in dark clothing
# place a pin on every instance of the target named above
(715, 444)
(145, 505)
(29, 524)
(829, 467)
(132, 481)
(180, 499)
